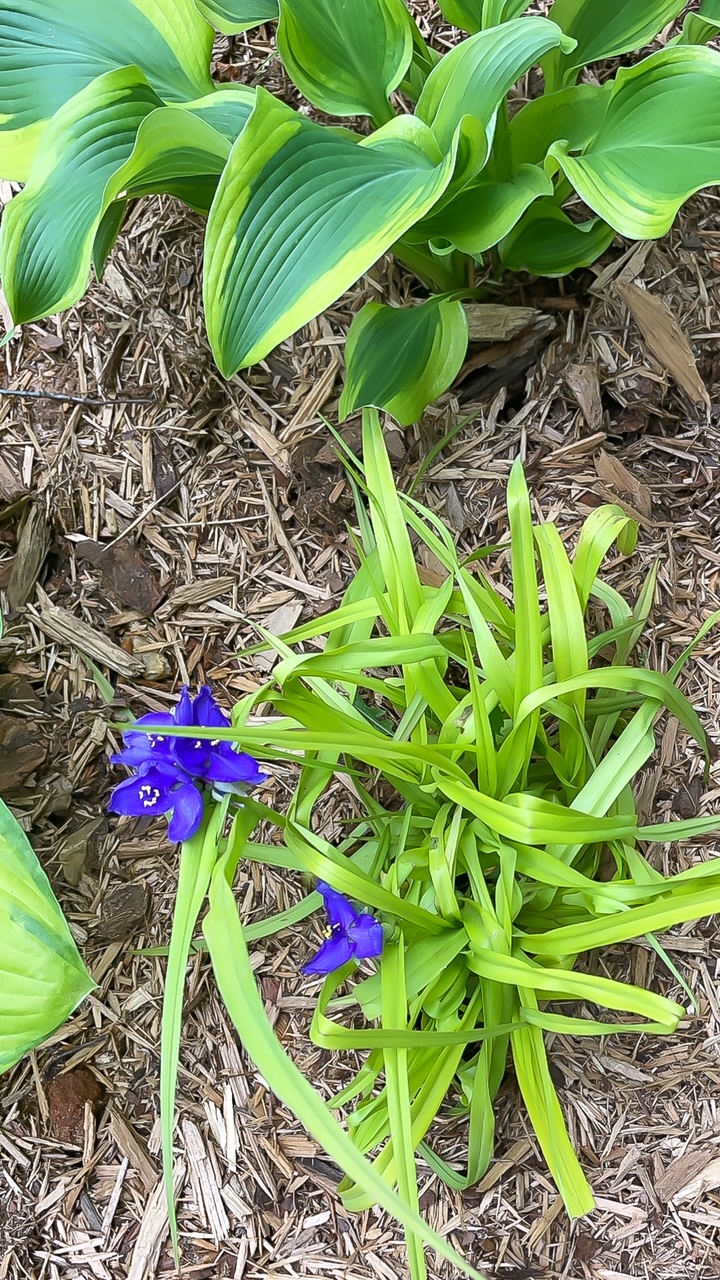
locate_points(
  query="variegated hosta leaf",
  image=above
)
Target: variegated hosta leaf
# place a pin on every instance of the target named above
(573, 114)
(658, 143)
(604, 30)
(112, 139)
(481, 215)
(234, 16)
(300, 213)
(189, 172)
(51, 49)
(474, 78)
(402, 358)
(547, 243)
(42, 978)
(346, 56)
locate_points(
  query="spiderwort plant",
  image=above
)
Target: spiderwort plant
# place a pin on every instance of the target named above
(459, 176)
(507, 735)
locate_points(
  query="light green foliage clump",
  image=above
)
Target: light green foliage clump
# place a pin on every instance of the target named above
(504, 844)
(106, 104)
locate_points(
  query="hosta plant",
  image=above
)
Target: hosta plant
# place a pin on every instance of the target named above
(487, 730)
(42, 977)
(436, 159)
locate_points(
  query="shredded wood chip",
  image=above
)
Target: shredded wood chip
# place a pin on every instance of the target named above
(665, 339)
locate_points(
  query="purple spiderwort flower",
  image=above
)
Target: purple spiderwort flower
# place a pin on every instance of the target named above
(171, 770)
(352, 935)
(159, 789)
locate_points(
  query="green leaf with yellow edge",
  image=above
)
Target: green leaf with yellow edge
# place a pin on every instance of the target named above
(50, 51)
(42, 977)
(659, 142)
(114, 139)
(574, 114)
(603, 31)
(484, 212)
(475, 77)
(346, 56)
(234, 16)
(300, 214)
(547, 242)
(401, 359)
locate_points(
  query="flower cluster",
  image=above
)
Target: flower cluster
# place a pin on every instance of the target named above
(351, 935)
(170, 771)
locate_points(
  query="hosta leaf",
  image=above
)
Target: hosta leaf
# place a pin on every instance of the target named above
(113, 138)
(300, 213)
(227, 110)
(42, 978)
(604, 31)
(465, 14)
(234, 16)
(573, 114)
(497, 11)
(476, 75)
(346, 56)
(547, 243)
(659, 142)
(51, 49)
(475, 15)
(481, 215)
(402, 358)
(700, 27)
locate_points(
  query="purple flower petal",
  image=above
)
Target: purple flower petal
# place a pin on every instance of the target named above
(341, 913)
(227, 765)
(332, 954)
(183, 713)
(187, 813)
(207, 713)
(194, 755)
(134, 757)
(144, 796)
(366, 937)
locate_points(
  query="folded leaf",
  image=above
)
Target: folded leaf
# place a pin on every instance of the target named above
(547, 243)
(234, 16)
(51, 49)
(573, 114)
(699, 28)
(659, 142)
(475, 76)
(604, 31)
(476, 15)
(402, 358)
(346, 58)
(113, 138)
(300, 213)
(42, 978)
(485, 212)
